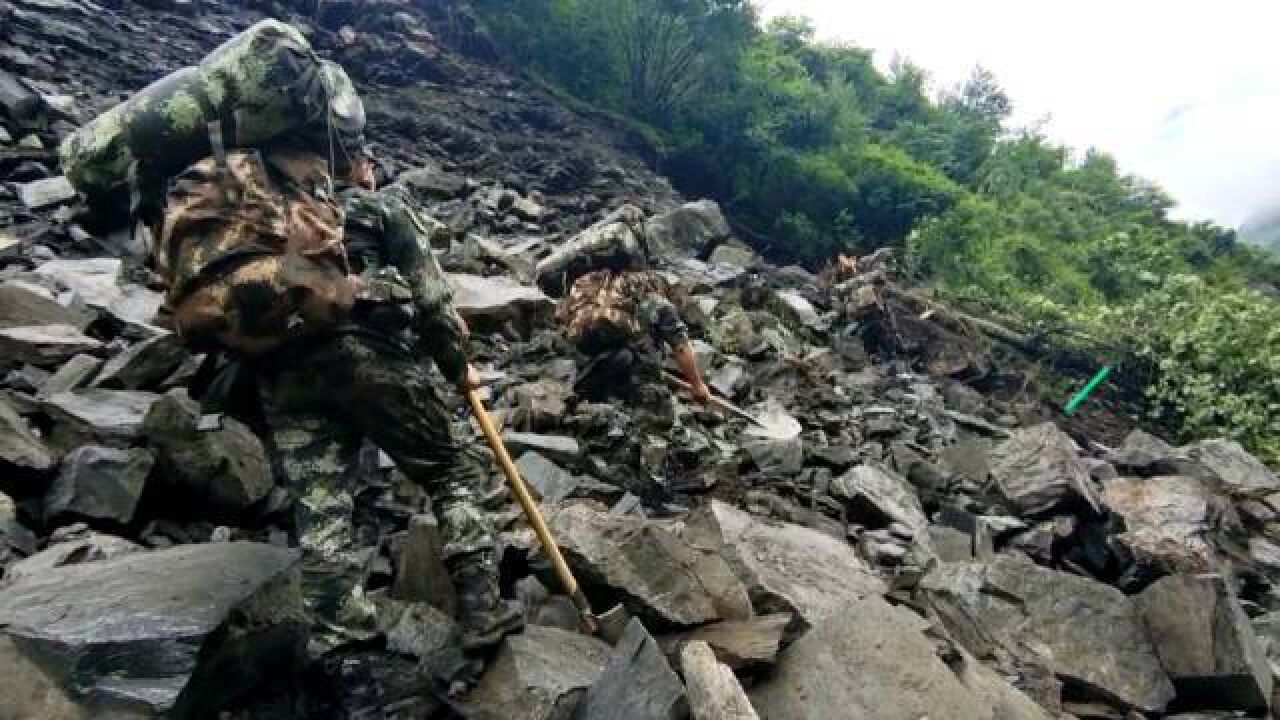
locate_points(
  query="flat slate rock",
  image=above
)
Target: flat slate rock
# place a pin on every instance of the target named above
(46, 193)
(1037, 469)
(25, 304)
(109, 417)
(143, 365)
(637, 684)
(97, 281)
(100, 483)
(141, 631)
(44, 345)
(539, 674)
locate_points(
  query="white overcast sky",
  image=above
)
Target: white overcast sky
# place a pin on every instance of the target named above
(1184, 92)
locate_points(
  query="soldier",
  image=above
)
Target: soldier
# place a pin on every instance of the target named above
(252, 250)
(622, 315)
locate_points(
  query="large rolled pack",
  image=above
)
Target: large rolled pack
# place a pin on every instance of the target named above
(255, 87)
(615, 243)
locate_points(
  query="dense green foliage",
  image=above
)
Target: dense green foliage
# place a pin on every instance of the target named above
(812, 150)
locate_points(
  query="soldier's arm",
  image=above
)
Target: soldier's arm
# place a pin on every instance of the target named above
(668, 328)
(408, 248)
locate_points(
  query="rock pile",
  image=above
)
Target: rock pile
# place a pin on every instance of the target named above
(921, 547)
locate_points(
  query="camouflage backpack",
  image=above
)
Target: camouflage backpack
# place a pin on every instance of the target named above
(603, 309)
(258, 86)
(251, 248)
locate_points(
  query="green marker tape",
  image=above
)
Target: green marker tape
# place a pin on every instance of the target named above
(1078, 399)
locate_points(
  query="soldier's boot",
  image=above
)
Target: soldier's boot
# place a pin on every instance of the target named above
(485, 617)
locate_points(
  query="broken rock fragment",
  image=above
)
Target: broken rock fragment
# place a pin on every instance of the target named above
(15, 539)
(737, 643)
(714, 692)
(107, 417)
(1038, 469)
(179, 632)
(1167, 523)
(224, 468)
(19, 446)
(786, 568)
(1206, 644)
(43, 345)
(143, 365)
(539, 674)
(869, 660)
(101, 483)
(660, 575)
(637, 684)
(26, 304)
(879, 497)
(41, 194)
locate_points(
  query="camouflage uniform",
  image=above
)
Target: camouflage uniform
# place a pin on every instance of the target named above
(367, 380)
(621, 320)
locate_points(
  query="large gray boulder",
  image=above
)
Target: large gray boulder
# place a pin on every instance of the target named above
(1168, 522)
(224, 469)
(659, 575)
(879, 497)
(870, 660)
(1206, 643)
(1039, 468)
(1088, 634)
(179, 632)
(100, 483)
(689, 229)
(19, 446)
(539, 674)
(786, 568)
(637, 684)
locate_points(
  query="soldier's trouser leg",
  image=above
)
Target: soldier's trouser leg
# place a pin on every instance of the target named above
(384, 394)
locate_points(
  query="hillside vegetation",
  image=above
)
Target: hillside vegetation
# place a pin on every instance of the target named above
(813, 150)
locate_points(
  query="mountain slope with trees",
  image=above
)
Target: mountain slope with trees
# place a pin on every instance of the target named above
(813, 150)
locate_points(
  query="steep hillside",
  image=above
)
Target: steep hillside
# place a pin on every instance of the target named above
(920, 534)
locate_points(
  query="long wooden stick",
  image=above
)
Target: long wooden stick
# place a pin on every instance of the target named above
(724, 404)
(531, 511)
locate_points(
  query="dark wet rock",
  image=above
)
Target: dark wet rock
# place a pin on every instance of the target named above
(18, 101)
(1038, 469)
(549, 482)
(181, 632)
(659, 575)
(421, 575)
(1206, 644)
(637, 684)
(1090, 635)
(786, 568)
(878, 497)
(223, 468)
(539, 674)
(100, 483)
(714, 692)
(738, 644)
(143, 365)
(689, 229)
(26, 304)
(830, 672)
(108, 417)
(46, 193)
(559, 448)
(1169, 522)
(19, 446)
(423, 632)
(43, 345)
(72, 374)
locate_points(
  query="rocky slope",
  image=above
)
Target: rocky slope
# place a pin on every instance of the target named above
(920, 549)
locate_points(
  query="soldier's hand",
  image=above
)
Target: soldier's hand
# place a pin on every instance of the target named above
(470, 380)
(702, 394)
